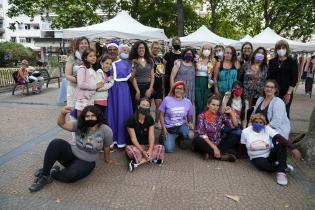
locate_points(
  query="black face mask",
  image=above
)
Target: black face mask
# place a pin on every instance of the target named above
(144, 111)
(90, 123)
(176, 47)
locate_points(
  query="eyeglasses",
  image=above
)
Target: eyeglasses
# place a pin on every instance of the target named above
(271, 87)
(259, 122)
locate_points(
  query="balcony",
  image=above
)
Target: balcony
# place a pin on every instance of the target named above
(27, 33)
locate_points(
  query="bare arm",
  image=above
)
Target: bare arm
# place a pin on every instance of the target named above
(134, 139)
(162, 121)
(173, 75)
(107, 153)
(68, 71)
(67, 125)
(151, 138)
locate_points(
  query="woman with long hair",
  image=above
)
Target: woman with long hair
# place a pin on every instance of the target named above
(78, 155)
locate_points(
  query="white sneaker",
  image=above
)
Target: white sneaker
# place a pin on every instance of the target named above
(289, 168)
(282, 178)
(158, 126)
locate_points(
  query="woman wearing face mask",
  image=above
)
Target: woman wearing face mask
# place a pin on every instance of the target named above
(218, 52)
(78, 155)
(238, 104)
(284, 70)
(169, 59)
(266, 148)
(225, 72)
(273, 108)
(72, 67)
(204, 77)
(255, 75)
(124, 50)
(184, 70)
(209, 142)
(246, 54)
(141, 148)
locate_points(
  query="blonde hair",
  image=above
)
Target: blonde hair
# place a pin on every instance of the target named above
(258, 116)
(203, 46)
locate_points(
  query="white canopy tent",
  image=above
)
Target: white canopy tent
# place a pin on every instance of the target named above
(268, 38)
(121, 26)
(202, 35)
(246, 38)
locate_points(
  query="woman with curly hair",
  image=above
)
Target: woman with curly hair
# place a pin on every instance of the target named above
(143, 71)
(78, 155)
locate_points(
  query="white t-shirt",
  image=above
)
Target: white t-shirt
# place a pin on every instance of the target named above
(258, 144)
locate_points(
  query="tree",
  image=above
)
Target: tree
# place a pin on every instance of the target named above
(180, 17)
(307, 144)
(11, 53)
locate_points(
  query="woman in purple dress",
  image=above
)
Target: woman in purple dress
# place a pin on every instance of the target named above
(119, 101)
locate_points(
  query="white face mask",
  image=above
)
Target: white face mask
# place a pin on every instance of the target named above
(219, 54)
(206, 53)
(124, 56)
(281, 52)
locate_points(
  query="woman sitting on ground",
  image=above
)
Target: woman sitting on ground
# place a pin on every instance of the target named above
(141, 148)
(266, 148)
(209, 125)
(176, 116)
(77, 156)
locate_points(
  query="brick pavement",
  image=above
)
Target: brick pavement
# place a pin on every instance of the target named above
(185, 181)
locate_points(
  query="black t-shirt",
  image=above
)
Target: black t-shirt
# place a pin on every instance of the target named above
(170, 57)
(141, 130)
(284, 72)
(158, 82)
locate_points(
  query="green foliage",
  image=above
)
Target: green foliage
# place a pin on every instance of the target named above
(293, 19)
(11, 53)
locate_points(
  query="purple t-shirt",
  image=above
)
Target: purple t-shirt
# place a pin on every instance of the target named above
(176, 111)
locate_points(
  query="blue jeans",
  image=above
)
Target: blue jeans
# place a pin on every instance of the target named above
(169, 142)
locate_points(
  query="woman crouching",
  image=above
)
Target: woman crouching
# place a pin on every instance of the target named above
(141, 148)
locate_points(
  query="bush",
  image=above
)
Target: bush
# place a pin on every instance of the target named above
(12, 53)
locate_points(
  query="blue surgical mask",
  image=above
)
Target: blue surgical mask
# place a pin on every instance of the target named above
(258, 127)
(124, 56)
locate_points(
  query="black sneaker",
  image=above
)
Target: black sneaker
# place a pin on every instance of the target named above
(38, 172)
(54, 169)
(228, 157)
(131, 166)
(40, 182)
(159, 162)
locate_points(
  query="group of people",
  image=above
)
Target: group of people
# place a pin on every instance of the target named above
(228, 107)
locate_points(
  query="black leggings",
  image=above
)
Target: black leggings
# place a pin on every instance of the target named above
(75, 169)
(278, 153)
(228, 144)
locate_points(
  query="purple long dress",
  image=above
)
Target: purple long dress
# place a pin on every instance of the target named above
(119, 102)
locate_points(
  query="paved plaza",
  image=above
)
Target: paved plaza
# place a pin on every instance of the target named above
(185, 181)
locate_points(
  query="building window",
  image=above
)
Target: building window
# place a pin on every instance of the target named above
(27, 26)
(22, 40)
(20, 26)
(28, 40)
(36, 27)
(13, 39)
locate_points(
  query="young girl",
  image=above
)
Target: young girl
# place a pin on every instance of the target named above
(86, 81)
(236, 101)
(102, 75)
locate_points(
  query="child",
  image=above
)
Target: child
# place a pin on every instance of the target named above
(267, 149)
(86, 81)
(236, 101)
(102, 75)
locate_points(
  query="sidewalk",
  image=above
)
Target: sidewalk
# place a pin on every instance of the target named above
(185, 181)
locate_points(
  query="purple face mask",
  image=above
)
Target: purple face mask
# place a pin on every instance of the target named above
(259, 57)
(188, 58)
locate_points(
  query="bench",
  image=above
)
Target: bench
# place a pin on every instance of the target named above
(14, 75)
(45, 74)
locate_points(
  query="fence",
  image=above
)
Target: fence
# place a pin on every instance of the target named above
(7, 81)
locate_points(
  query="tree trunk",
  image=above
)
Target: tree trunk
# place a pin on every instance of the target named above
(307, 144)
(266, 13)
(213, 6)
(180, 17)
